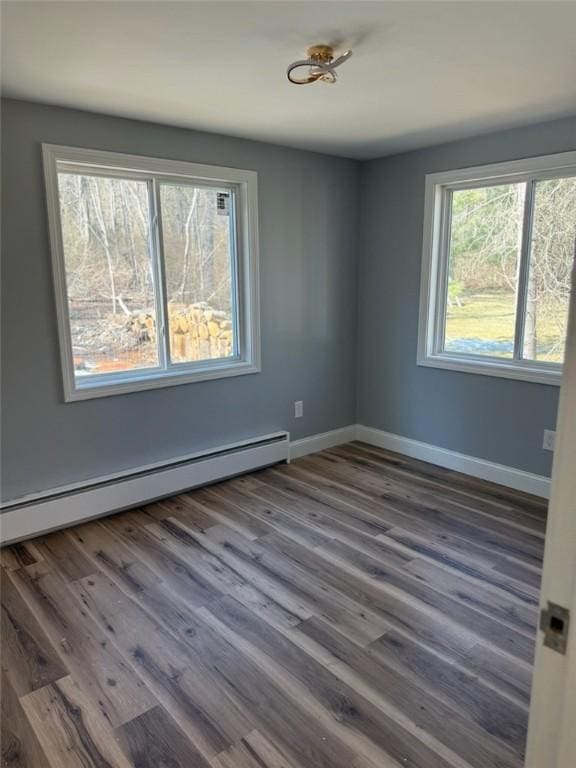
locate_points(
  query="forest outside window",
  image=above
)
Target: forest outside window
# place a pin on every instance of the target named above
(499, 247)
(156, 270)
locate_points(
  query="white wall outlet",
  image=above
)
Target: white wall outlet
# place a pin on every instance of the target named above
(298, 409)
(549, 439)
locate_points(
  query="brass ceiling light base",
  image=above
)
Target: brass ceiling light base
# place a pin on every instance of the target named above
(321, 54)
(320, 63)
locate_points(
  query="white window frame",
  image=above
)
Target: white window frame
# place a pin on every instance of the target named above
(243, 185)
(435, 254)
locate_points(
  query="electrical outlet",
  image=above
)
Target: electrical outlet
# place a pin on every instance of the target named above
(549, 439)
(298, 409)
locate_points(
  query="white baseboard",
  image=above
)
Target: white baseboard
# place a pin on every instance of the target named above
(468, 465)
(32, 516)
(320, 442)
(40, 513)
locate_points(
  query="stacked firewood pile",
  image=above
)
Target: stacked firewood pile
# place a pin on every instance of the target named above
(197, 331)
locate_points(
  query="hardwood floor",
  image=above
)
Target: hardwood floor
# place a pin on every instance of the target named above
(354, 609)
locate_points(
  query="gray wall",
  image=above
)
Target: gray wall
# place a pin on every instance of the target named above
(310, 267)
(308, 227)
(496, 419)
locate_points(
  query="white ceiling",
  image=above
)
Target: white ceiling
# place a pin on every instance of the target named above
(421, 73)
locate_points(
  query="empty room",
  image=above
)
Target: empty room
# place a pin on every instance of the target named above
(288, 384)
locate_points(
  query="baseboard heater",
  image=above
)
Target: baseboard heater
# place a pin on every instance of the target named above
(39, 513)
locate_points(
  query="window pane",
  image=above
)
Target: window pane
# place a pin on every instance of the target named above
(105, 230)
(198, 251)
(551, 257)
(485, 242)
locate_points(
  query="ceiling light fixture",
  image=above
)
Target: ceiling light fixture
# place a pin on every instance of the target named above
(320, 63)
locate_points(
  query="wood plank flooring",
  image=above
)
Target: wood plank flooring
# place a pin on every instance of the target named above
(354, 609)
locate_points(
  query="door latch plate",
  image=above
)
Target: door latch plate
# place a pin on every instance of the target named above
(554, 623)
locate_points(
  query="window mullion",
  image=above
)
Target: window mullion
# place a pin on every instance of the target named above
(237, 271)
(158, 276)
(523, 269)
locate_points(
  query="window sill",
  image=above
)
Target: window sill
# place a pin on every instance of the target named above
(92, 390)
(539, 374)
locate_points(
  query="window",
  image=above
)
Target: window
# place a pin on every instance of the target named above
(499, 245)
(156, 272)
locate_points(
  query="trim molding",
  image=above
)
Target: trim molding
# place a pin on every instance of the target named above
(39, 513)
(539, 485)
(320, 442)
(154, 170)
(433, 275)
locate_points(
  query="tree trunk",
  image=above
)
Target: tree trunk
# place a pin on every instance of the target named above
(105, 243)
(183, 290)
(530, 335)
